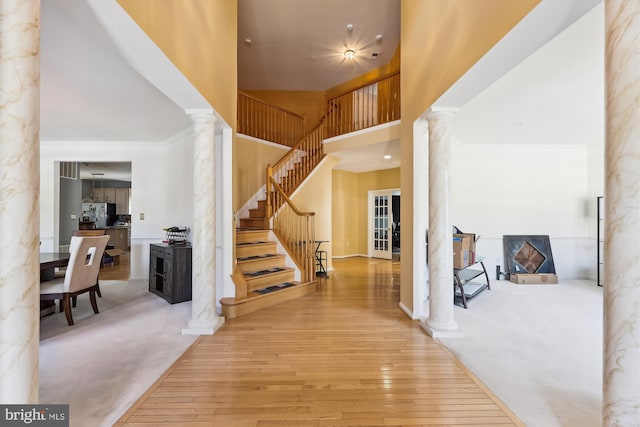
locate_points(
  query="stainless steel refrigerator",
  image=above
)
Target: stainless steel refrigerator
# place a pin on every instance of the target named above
(102, 214)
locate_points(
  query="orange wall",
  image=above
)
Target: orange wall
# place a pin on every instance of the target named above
(315, 196)
(309, 104)
(350, 213)
(440, 41)
(250, 170)
(200, 38)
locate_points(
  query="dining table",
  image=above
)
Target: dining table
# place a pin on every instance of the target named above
(49, 261)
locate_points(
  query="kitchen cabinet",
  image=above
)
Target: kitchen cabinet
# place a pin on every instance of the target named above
(122, 201)
(119, 237)
(170, 272)
(104, 195)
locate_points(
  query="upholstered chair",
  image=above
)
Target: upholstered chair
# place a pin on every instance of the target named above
(81, 275)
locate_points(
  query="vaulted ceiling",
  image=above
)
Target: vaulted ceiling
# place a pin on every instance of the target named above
(91, 93)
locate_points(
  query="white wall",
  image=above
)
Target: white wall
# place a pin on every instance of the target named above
(502, 190)
(530, 154)
(162, 187)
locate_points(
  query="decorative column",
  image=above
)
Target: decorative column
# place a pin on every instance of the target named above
(204, 320)
(621, 376)
(440, 322)
(19, 200)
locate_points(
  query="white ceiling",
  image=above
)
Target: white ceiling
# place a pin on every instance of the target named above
(300, 44)
(90, 92)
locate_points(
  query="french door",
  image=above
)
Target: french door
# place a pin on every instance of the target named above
(380, 224)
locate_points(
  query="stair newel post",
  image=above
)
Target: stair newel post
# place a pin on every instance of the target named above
(269, 209)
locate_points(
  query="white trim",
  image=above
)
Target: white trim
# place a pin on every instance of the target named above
(263, 141)
(228, 233)
(199, 111)
(406, 311)
(361, 132)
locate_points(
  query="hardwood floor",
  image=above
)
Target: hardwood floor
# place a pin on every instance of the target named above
(344, 356)
(116, 272)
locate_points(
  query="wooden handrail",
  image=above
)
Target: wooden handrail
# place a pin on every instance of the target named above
(379, 79)
(365, 106)
(297, 146)
(275, 107)
(295, 230)
(263, 120)
(286, 199)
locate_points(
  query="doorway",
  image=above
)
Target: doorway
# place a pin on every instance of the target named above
(384, 223)
(97, 195)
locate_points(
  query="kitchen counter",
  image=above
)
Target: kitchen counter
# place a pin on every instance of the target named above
(119, 236)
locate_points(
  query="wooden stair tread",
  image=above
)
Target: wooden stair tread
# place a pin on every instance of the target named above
(254, 301)
(266, 272)
(258, 257)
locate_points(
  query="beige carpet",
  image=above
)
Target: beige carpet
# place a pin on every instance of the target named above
(538, 348)
(103, 364)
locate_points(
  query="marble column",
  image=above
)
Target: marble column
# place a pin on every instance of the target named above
(204, 320)
(19, 200)
(621, 376)
(440, 322)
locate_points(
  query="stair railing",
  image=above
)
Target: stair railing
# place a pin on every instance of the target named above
(296, 164)
(365, 106)
(262, 120)
(295, 230)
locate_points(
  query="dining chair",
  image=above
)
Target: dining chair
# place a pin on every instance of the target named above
(81, 275)
(84, 233)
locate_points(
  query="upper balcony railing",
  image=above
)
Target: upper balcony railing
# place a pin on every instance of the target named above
(360, 108)
(366, 106)
(266, 121)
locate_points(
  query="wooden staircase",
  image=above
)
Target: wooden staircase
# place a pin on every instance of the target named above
(257, 218)
(262, 279)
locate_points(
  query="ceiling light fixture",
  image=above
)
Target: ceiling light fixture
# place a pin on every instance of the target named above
(387, 156)
(349, 27)
(349, 54)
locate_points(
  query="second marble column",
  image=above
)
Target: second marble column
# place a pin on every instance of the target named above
(440, 322)
(204, 320)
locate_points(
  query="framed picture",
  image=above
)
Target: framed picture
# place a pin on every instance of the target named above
(528, 254)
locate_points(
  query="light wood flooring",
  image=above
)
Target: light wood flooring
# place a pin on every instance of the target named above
(116, 272)
(344, 356)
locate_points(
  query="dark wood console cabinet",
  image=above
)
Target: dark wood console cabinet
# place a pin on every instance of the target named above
(170, 272)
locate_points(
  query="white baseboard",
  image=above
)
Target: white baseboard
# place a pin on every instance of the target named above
(407, 311)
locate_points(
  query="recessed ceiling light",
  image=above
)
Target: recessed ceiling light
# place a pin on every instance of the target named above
(349, 27)
(349, 54)
(387, 156)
